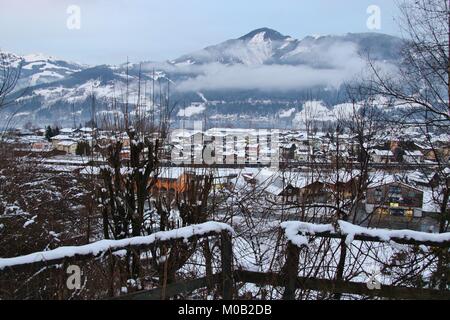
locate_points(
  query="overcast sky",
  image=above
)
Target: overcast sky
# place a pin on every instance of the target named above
(157, 30)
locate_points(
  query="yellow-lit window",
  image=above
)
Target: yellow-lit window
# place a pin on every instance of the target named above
(382, 211)
(394, 205)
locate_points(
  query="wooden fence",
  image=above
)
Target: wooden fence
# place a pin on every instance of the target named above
(228, 278)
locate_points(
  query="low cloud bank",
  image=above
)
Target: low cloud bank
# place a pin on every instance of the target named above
(305, 67)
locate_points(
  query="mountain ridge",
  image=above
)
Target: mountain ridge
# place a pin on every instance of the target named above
(265, 45)
(261, 55)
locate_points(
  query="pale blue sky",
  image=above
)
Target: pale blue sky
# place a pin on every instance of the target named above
(158, 30)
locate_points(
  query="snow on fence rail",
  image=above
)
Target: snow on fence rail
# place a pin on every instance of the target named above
(297, 232)
(97, 248)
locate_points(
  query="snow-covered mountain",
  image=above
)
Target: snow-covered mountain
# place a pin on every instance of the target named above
(267, 46)
(257, 47)
(261, 72)
(71, 96)
(37, 69)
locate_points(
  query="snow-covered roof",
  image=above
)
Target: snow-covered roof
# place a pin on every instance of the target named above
(67, 143)
(62, 137)
(415, 153)
(67, 130)
(382, 152)
(380, 179)
(85, 129)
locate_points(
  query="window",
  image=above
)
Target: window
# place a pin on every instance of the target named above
(395, 190)
(382, 211)
(397, 212)
(409, 213)
(378, 194)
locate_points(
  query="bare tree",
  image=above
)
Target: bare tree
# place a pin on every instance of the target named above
(9, 75)
(422, 87)
(422, 79)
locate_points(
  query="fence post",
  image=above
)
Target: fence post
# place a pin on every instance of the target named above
(227, 261)
(291, 271)
(208, 262)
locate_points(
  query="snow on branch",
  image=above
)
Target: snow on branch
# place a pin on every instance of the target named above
(293, 228)
(351, 230)
(97, 248)
(297, 232)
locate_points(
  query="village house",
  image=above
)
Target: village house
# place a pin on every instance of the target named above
(394, 198)
(64, 143)
(302, 155)
(382, 156)
(300, 188)
(173, 182)
(68, 146)
(415, 156)
(315, 192)
(59, 138)
(67, 131)
(428, 152)
(41, 146)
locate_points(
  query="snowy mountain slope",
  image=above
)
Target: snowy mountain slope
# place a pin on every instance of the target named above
(104, 81)
(256, 47)
(267, 46)
(252, 63)
(71, 98)
(38, 69)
